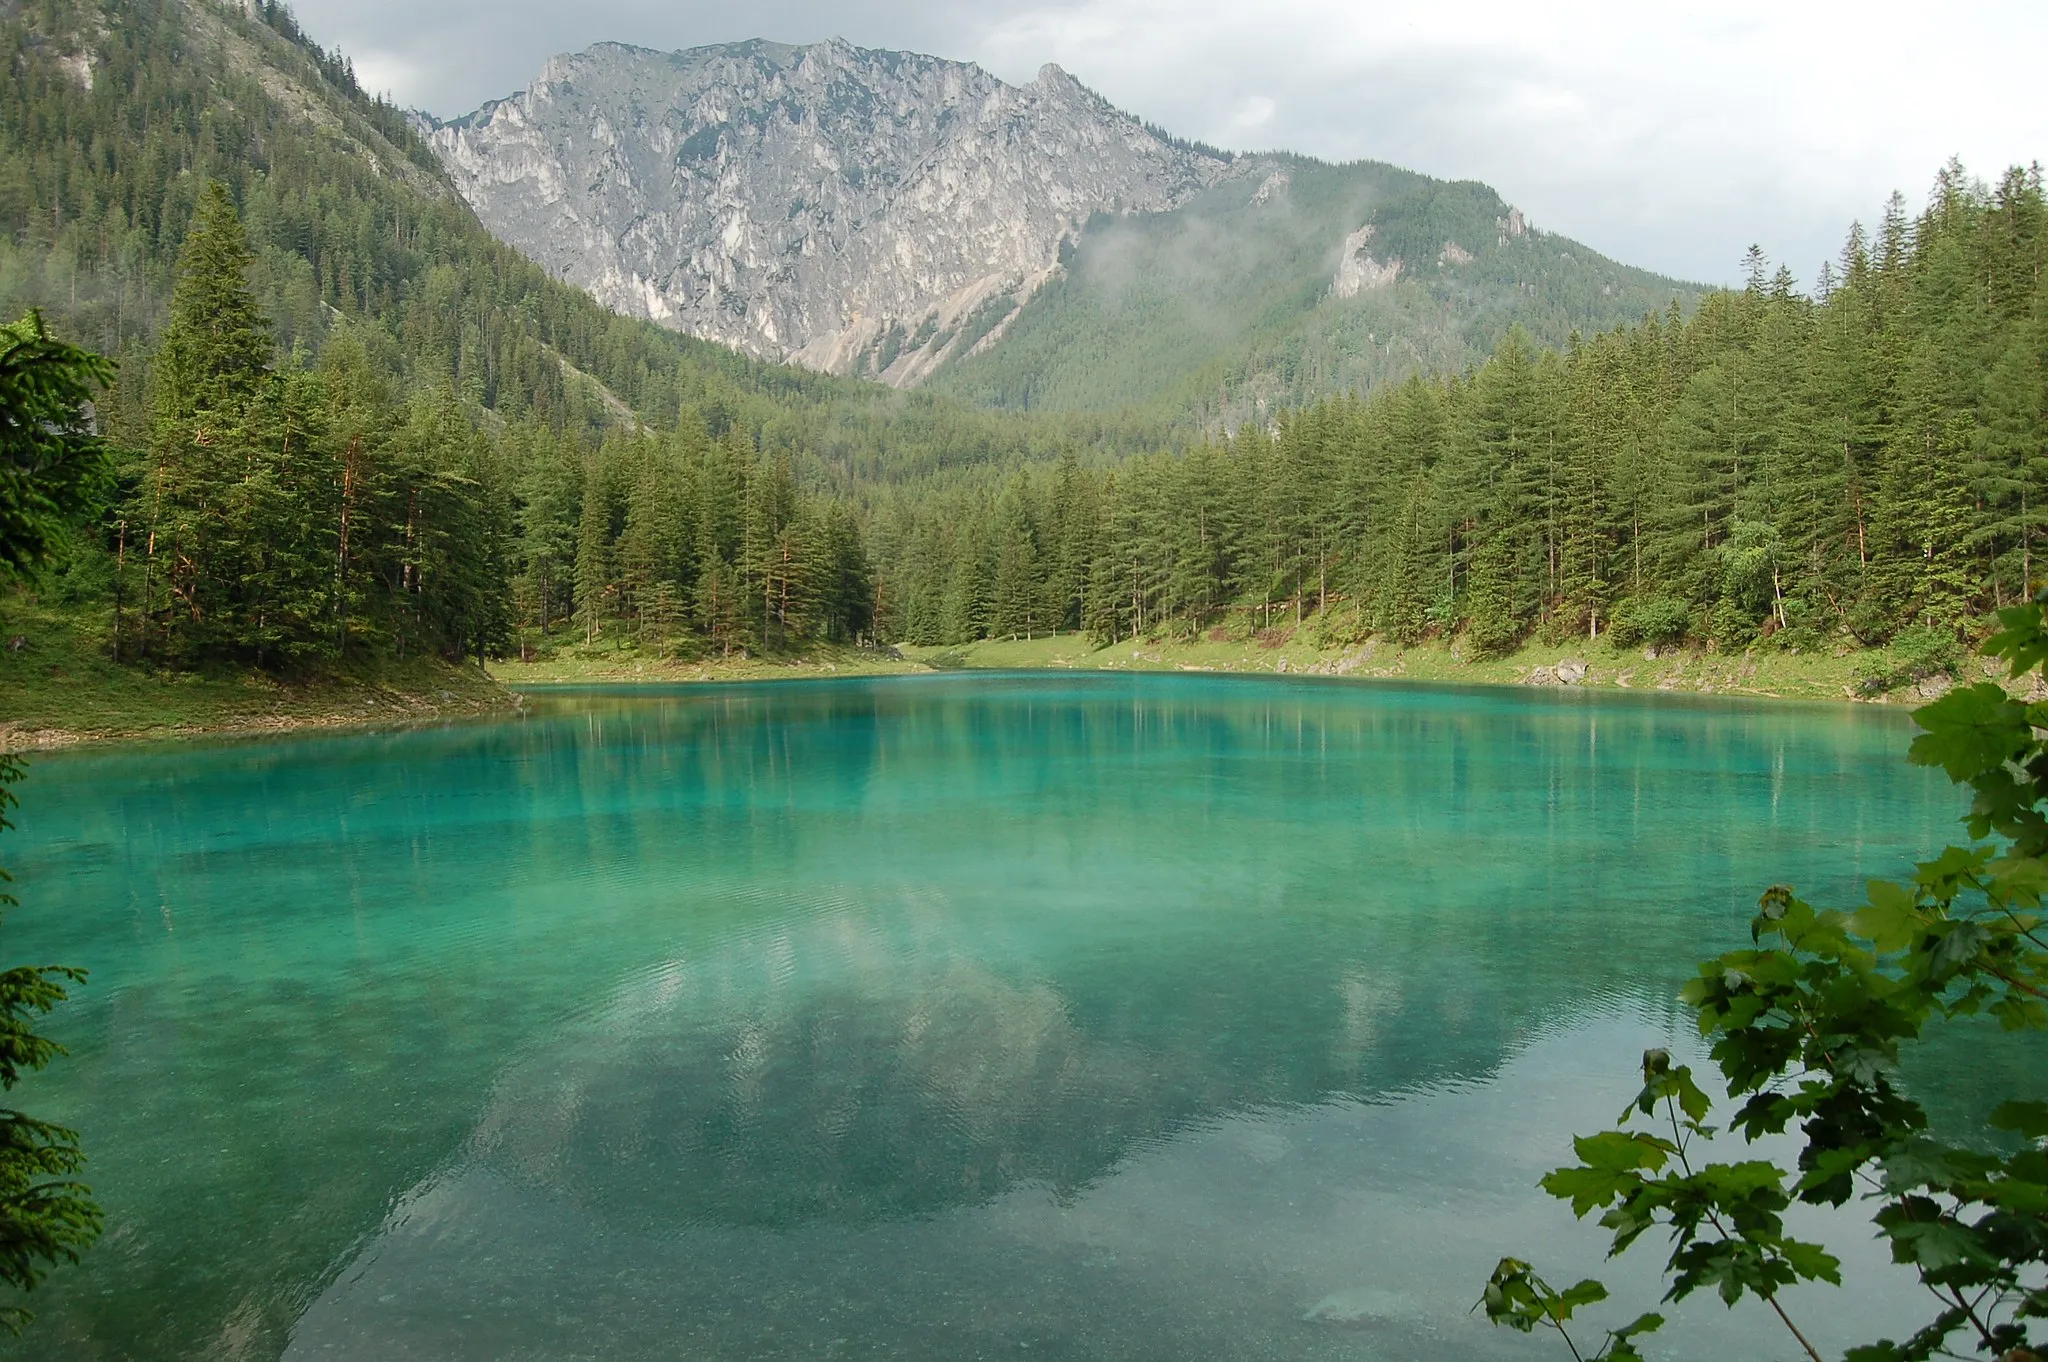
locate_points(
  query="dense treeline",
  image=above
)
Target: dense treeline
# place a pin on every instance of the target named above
(411, 440)
(287, 514)
(1868, 459)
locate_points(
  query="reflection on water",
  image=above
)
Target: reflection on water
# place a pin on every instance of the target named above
(937, 1018)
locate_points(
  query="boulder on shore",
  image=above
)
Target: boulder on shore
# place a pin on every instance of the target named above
(1570, 672)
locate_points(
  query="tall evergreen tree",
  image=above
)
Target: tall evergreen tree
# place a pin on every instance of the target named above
(53, 466)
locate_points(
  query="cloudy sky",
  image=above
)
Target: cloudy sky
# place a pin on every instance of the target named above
(1669, 136)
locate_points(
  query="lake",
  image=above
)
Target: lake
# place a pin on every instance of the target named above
(946, 1017)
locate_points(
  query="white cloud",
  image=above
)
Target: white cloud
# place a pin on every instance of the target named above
(1668, 136)
(387, 74)
(1252, 113)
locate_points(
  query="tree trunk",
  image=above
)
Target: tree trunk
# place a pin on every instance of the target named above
(120, 561)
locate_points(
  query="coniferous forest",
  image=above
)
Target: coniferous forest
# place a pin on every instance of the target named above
(287, 513)
(350, 426)
(1781, 466)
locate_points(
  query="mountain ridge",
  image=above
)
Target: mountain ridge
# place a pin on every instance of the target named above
(896, 215)
(841, 207)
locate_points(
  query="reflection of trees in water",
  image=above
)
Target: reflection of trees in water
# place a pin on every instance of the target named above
(843, 1051)
(860, 1064)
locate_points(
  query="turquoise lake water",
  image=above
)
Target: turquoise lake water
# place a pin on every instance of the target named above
(945, 1017)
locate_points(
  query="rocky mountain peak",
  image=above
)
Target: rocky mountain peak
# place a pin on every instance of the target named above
(852, 209)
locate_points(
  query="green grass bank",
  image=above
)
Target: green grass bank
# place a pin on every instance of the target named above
(606, 663)
(1836, 676)
(58, 687)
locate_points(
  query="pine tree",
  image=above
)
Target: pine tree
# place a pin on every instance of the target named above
(217, 354)
(359, 416)
(1595, 428)
(594, 580)
(1014, 593)
(848, 583)
(49, 465)
(54, 469)
(549, 525)
(768, 550)
(1407, 596)
(234, 496)
(719, 608)
(1073, 513)
(1497, 474)
(1495, 625)
(2012, 460)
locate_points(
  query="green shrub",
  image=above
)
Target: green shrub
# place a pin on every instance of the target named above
(1655, 621)
(1871, 623)
(1915, 655)
(1733, 627)
(1337, 627)
(1925, 652)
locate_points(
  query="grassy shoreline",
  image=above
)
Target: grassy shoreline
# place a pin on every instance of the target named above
(602, 664)
(1835, 677)
(1764, 674)
(58, 689)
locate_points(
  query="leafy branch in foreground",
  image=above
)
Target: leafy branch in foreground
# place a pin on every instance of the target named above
(1807, 1028)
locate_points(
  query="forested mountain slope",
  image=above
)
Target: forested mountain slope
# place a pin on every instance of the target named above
(116, 113)
(1308, 280)
(412, 441)
(352, 426)
(1780, 470)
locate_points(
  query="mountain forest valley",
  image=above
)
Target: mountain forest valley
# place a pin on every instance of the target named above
(352, 434)
(946, 995)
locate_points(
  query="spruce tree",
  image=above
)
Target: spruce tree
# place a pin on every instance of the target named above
(548, 526)
(593, 549)
(359, 417)
(1406, 596)
(217, 354)
(237, 560)
(718, 607)
(767, 550)
(54, 469)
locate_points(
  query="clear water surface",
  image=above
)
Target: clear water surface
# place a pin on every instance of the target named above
(1057, 1017)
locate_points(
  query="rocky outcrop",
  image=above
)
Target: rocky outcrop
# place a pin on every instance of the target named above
(855, 211)
(1570, 672)
(1358, 272)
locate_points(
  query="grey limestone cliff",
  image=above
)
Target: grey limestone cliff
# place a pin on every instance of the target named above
(855, 211)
